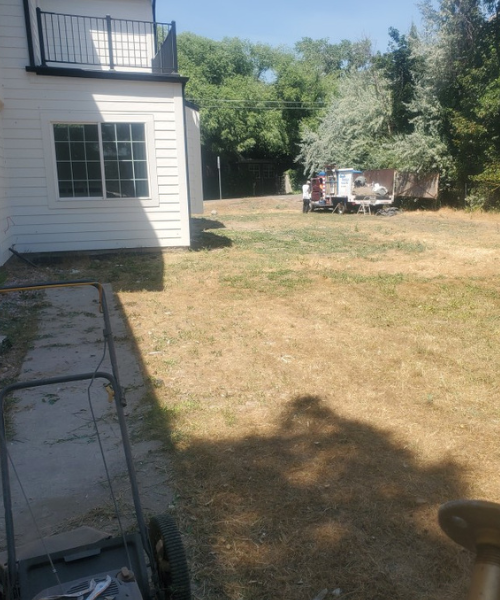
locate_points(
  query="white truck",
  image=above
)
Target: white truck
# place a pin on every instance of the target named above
(349, 190)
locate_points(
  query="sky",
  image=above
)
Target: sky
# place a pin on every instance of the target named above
(284, 22)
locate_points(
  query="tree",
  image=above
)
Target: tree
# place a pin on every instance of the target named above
(387, 115)
(227, 80)
(331, 59)
(419, 141)
(357, 121)
(465, 60)
(402, 67)
(431, 102)
(253, 98)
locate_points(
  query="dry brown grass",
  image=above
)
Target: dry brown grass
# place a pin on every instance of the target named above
(326, 382)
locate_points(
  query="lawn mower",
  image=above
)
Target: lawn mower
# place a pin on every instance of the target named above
(85, 563)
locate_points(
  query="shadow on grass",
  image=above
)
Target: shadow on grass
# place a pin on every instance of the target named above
(126, 270)
(321, 502)
(134, 269)
(201, 223)
(203, 239)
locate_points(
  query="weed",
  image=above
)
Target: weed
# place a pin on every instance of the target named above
(229, 417)
(19, 317)
(92, 329)
(50, 398)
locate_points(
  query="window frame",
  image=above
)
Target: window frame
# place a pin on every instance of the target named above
(56, 201)
(255, 171)
(268, 171)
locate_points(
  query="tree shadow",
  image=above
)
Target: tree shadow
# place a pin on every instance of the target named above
(324, 502)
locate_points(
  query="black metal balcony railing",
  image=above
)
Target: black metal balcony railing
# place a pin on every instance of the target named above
(98, 42)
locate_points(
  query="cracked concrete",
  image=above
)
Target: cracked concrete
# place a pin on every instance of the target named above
(55, 447)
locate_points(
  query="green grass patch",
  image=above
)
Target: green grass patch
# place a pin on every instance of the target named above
(319, 241)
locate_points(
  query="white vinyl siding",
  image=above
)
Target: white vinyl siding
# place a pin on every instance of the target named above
(4, 213)
(30, 211)
(7, 22)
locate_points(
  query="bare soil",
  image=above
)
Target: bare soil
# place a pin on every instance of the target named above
(322, 383)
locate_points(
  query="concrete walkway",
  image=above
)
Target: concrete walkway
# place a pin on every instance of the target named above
(55, 448)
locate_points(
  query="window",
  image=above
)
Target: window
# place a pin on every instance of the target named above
(101, 160)
(254, 170)
(267, 171)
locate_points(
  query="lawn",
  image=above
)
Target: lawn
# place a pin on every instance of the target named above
(322, 383)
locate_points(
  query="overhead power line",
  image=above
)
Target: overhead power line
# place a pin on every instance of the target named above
(266, 101)
(250, 107)
(260, 104)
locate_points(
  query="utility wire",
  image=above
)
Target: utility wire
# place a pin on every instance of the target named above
(261, 104)
(266, 101)
(260, 107)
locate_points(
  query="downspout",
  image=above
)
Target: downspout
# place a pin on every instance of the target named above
(186, 153)
(29, 33)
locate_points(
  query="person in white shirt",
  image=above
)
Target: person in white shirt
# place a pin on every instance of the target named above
(306, 197)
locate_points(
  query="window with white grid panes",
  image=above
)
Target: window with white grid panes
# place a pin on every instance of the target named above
(101, 160)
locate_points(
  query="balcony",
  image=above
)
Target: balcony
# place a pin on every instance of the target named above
(105, 44)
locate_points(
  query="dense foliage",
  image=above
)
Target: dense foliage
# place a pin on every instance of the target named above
(255, 99)
(431, 102)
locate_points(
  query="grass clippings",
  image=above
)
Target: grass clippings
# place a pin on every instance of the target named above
(323, 384)
(18, 326)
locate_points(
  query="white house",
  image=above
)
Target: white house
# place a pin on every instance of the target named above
(98, 148)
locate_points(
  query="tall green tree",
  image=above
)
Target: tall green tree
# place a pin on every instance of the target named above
(465, 60)
(387, 115)
(402, 67)
(431, 102)
(331, 59)
(357, 122)
(228, 80)
(254, 98)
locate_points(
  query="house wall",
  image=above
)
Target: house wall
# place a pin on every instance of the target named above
(38, 221)
(4, 224)
(194, 160)
(4, 209)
